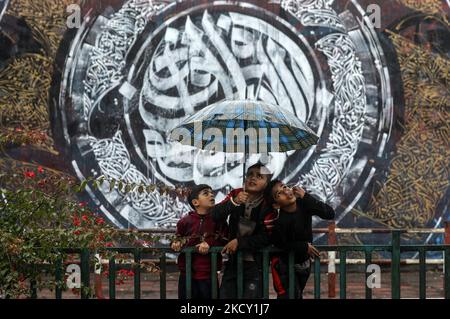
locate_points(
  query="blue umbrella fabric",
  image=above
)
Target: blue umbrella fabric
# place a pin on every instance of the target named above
(274, 129)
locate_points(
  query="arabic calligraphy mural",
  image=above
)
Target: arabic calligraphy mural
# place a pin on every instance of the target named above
(135, 69)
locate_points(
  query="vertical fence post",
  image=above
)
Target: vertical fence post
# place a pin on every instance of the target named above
(85, 282)
(266, 262)
(395, 268)
(332, 241)
(343, 274)
(317, 278)
(447, 261)
(214, 292)
(112, 278)
(98, 277)
(447, 274)
(368, 257)
(422, 273)
(58, 277)
(188, 274)
(162, 276)
(33, 289)
(291, 276)
(137, 273)
(240, 276)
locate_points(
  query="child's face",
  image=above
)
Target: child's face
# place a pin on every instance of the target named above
(255, 182)
(283, 195)
(205, 199)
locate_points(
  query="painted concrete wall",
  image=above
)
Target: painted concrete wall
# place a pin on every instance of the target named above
(370, 78)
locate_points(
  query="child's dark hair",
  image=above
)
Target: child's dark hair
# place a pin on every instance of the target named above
(262, 168)
(195, 192)
(268, 192)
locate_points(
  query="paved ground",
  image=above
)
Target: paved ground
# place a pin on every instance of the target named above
(355, 286)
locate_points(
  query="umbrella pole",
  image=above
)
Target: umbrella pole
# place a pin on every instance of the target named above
(243, 173)
(245, 161)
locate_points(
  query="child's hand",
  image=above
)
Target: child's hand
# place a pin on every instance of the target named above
(176, 245)
(241, 198)
(203, 248)
(299, 192)
(231, 247)
(312, 251)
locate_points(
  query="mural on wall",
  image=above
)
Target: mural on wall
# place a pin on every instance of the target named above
(377, 97)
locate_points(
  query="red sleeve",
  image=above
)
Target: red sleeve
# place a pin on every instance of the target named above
(269, 221)
(181, 228)
(232, 194)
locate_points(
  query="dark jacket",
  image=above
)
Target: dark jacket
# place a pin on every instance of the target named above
(260, 214)
(196, 228)
(293, 231)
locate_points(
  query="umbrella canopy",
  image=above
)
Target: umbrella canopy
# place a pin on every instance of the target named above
(244, 127)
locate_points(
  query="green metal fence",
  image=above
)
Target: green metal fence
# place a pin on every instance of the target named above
(395, 249)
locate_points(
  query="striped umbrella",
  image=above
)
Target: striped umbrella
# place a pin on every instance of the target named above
(245, 126)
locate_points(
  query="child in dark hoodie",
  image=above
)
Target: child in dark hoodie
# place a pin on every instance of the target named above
(292, 231)
(198, 229)
(248, 221)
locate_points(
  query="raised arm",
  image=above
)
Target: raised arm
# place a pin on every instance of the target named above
(317, 208)
(221, 211)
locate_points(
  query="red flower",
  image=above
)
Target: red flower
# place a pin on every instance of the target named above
(85, 218)
(108, 244)
(76, 291)
(77, 232)
(76, 222)
(82, 204)
(120, 282)
(30, 174)
(100, 221)
(18, 129)
(40, 169)
(131, 273)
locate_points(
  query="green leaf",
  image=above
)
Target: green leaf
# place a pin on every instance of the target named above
(112, 184)
(83, 185)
